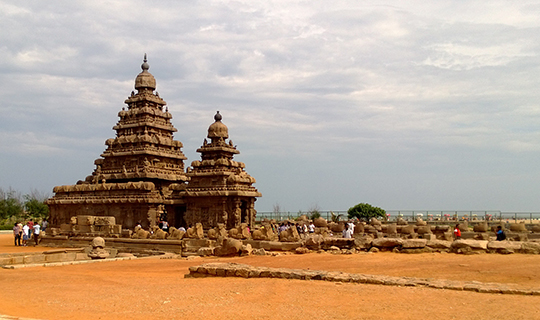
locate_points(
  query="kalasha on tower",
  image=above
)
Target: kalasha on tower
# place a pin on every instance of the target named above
(140, 178)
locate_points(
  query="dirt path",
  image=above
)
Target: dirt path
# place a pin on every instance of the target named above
(156, 288)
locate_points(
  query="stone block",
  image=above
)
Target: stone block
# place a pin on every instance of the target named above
(115, 229)
(518, 227)
(17, 260)
(65, 227)
(363, 242)
(439, 244)
(530, 248)
(414, 243)
(84, 220)
(481, 227)
(34, 258)
(424, 229)
(470, 244)
(391, 228)
(320, 223)
(60, 257)
(86, 228)
(504, 246)
(104, 221)
(387, 242)
(205, 251)
(81, 256)
(482, 236)
(429, 236)
(5, 260)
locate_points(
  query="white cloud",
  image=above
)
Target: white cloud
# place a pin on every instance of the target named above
(380, 100)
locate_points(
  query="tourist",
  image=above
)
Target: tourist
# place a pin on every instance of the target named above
(282, 228)
(20, 230)
(347, 232)
(457, 232)
(351, 225)
(17, 234)
(500, 234)
(36, 233)
(165, 226)
(182, 229)
(26, 230)
(30, 226)
(44, 225)
(311, 227)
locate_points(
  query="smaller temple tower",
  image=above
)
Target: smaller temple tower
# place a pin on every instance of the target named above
(219, 190)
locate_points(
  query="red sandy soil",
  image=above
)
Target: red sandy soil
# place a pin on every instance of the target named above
(156, 289)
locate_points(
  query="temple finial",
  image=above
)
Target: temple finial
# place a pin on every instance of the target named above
(145, 66)
(218, 117)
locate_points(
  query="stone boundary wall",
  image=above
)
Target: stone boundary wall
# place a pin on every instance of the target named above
(313, 243)
(247, 271)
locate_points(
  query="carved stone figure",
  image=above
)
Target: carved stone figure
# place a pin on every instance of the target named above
(98, 249)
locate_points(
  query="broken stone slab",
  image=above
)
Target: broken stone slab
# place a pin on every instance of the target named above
(530, 248)
(341, 243)
(387, 242)
(414, 243)
(246, 271)
(504, 247)
(471, 244)
(439, 244)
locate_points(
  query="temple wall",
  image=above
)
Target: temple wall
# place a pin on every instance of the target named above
(231, 211)
(126, 214)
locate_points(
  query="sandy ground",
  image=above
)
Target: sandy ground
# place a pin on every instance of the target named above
(156, 289)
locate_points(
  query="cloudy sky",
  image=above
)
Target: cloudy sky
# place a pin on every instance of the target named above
(411, 105)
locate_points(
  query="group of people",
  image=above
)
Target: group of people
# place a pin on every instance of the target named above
(301, 228)
(499, 233)
(23, 233)
(348, 231)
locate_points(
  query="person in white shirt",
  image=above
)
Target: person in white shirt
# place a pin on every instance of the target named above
(26, 228)
(36, 233)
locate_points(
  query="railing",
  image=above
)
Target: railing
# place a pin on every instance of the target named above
(411, 215)
(280, 216)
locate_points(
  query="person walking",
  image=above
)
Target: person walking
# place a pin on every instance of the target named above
(36, 233)
(26, 230)
(17, 234)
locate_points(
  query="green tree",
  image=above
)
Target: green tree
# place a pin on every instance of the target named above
(10, 204)
(34, 204)
(365, 211)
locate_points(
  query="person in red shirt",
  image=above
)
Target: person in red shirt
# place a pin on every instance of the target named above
(457, 232)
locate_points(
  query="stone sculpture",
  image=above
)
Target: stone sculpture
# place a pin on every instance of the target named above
(98, 249)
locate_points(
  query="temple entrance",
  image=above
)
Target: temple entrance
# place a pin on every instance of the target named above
(179, 213)
(244, 212)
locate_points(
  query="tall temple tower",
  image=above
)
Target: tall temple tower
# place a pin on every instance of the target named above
(140, 168)
(144, 149)
(140, 176)
(220, 191)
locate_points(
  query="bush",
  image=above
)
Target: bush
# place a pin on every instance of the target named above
(365, 211)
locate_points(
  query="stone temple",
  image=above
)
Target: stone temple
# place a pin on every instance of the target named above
(140, 177)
